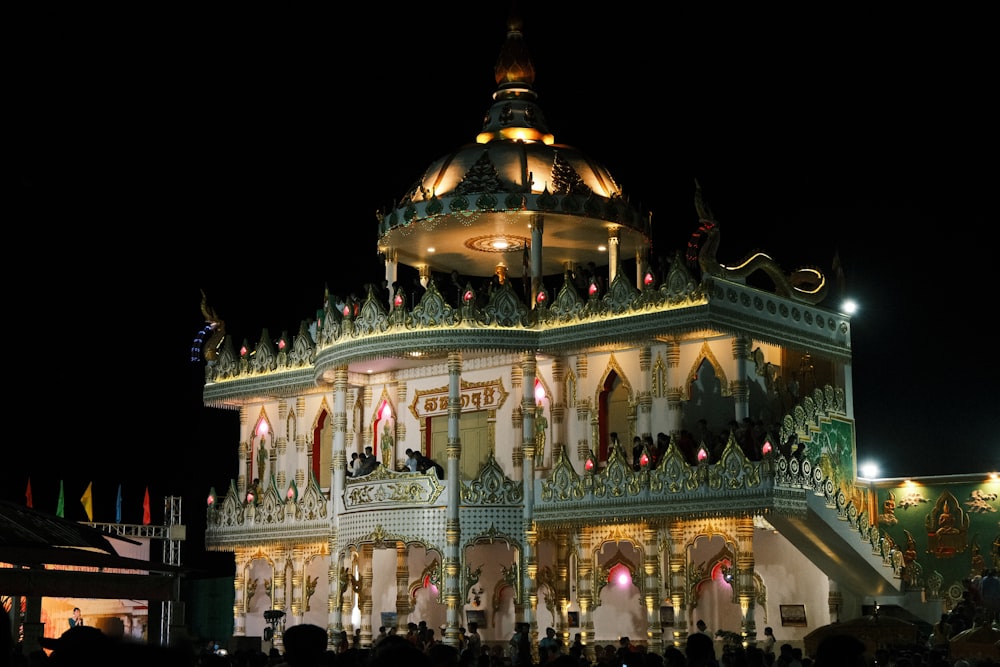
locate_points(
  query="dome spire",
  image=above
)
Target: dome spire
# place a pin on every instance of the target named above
(514, 114)
(514, 67)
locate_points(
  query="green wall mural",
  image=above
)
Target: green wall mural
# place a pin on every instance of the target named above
(947, 532)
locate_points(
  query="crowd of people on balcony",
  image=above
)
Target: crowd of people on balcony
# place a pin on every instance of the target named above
(704, 445)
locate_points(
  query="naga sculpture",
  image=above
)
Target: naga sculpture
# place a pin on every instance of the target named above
(215, 329)
(806, 284)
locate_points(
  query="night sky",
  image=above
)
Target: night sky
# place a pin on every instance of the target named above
(247, 155)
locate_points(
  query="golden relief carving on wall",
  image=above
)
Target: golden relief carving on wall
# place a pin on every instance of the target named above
(947, 527)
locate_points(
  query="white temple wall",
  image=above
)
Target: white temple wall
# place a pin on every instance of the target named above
(790, 578)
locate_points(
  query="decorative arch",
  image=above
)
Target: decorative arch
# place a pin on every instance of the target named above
(321, 447)
(706, 355)
(703, 574)
(429, 576)
(508, 569)
(612, 372)
(383, 426)
(260, 452)
(601, 575)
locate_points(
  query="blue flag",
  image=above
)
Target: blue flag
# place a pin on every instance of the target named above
(118, 506)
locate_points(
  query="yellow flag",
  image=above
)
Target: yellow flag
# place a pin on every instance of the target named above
(88, 502)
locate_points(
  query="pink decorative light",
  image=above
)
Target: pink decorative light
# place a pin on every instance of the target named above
(398, 301)
(648, 280)
(250, 497)
(592, 290)
(468, 296)
(766, 449)
(702, 454)
(644, 460)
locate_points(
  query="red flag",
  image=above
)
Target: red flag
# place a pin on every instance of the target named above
(27, 495)
(145, 508)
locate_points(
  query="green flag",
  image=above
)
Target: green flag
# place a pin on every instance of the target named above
(61, 507)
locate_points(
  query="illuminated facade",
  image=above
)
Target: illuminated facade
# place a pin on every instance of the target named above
(527, 378)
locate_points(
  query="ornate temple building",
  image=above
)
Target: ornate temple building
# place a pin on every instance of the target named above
(625, 445)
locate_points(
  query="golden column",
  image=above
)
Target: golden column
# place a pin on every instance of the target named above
(402, 586)
(585, 588)
(529, 367)
(239, 593)
(678, 580)
(652, 584)
(741, 391)
(453, 601)
(298, 564)
(277, 591)
(365, 594)
(745, 591)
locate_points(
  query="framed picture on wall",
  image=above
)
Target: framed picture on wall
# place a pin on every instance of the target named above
(477, 616)
(666, 616)
(793, 614)
(574, 618)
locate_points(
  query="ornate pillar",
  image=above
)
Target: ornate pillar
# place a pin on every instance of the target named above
(558, 409)
(537, 230)
(452, 597)
(585, 588)
(402, 586)
(297, 562)
(391, 274)
(644, 415)
(400, 425)
(614, 258)
(651, 586)
(239, 593)
(562, 583)
(674, 388)
(741, 392)
(366, 433)
(678, 580)
(282, 562)
(281, 447)
(745, 587)
(333, 624)
(338, 460)
(529, 366)
(338, 482)
(365, 593)
(302, 449)
(242, 483)
(348, 584)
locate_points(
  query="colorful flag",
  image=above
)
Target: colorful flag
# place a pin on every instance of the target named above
(27, 495)
(118, 506)
(145, 509)
(88, 502)
(61, 506)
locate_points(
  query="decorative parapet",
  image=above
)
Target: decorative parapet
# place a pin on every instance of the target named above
(266, 515)
(492, 487)
(386, 489)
